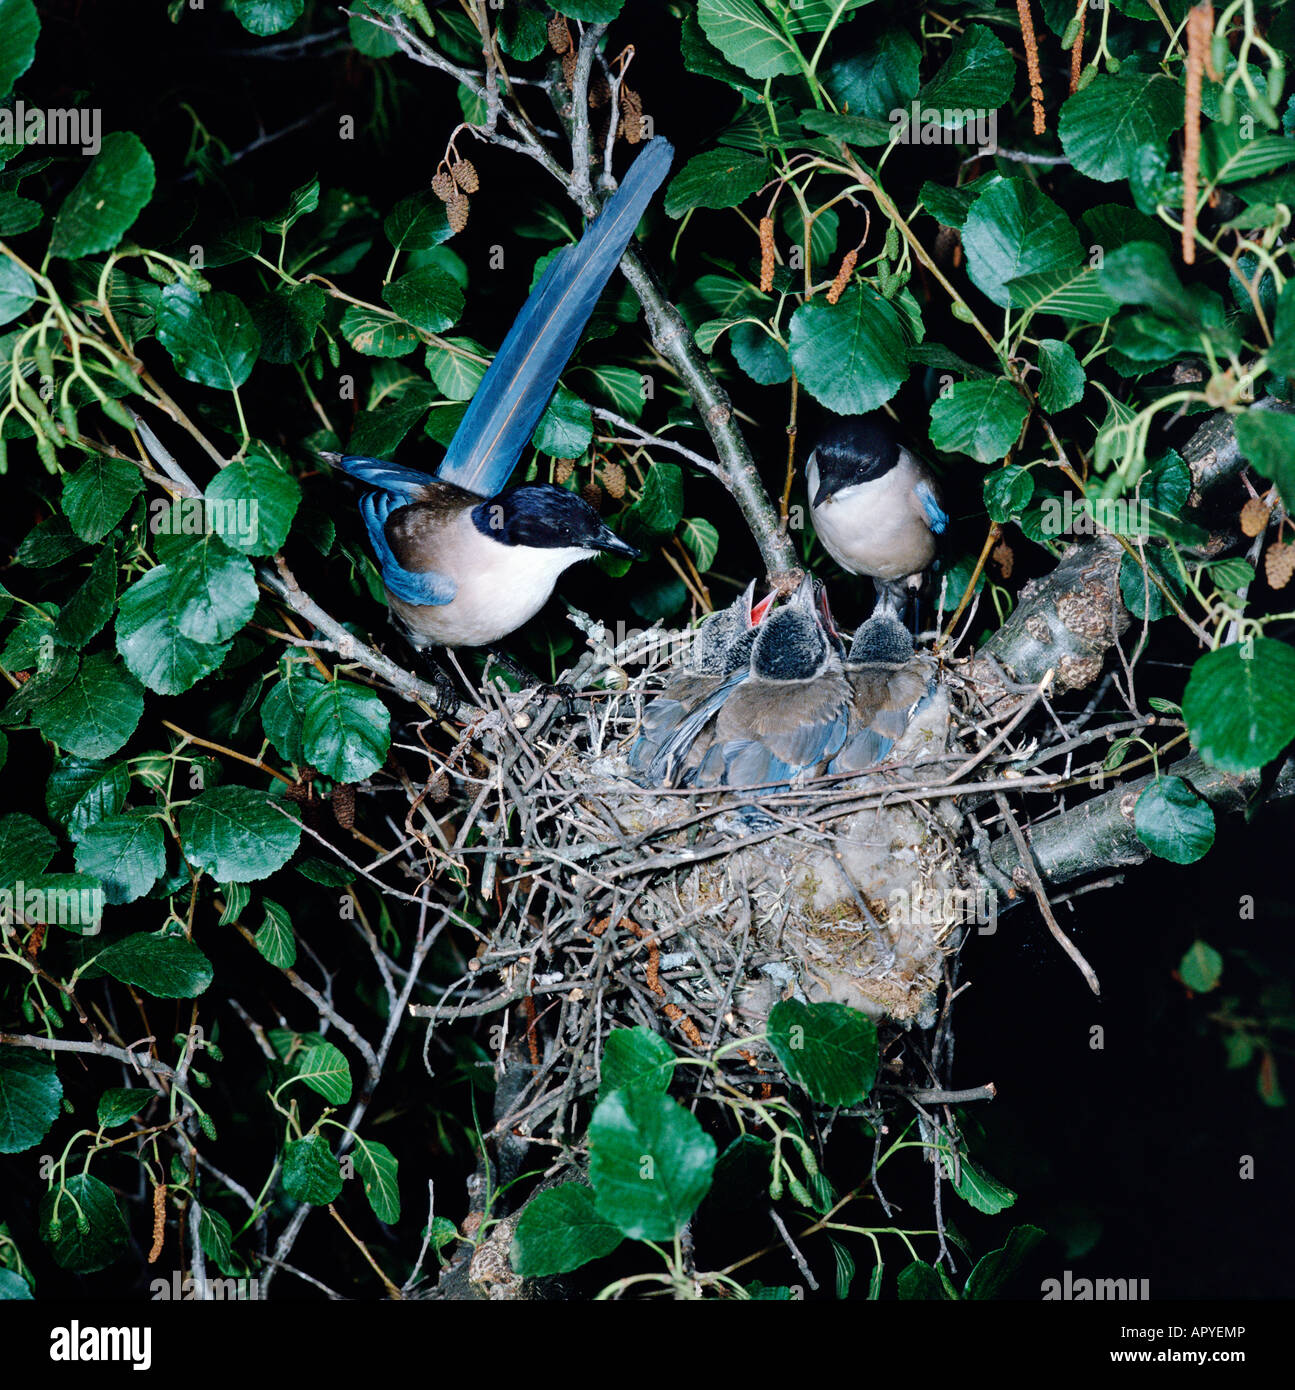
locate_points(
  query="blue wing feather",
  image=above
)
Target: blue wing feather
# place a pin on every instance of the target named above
(936, 517)
(405, 483)
(516, 388)
(425, 587)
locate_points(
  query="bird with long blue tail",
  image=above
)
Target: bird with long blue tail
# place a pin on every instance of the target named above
(463, 562)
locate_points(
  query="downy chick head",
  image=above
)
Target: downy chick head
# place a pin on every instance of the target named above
(791, 645)
(722, 642)
(881, 639)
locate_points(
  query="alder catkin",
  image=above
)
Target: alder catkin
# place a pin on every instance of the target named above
(344, 805)
(1279, 565)
(456, 211)
(465, 175)
(766, 254)
(443, 185)
(842, 276)
(1254, 516)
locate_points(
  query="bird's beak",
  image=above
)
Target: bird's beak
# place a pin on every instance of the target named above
(608, 540)
(825, 610)
(823, 493)
(804, 597)
(760, 611)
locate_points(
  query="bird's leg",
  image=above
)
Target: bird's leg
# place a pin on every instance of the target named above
(560, 691)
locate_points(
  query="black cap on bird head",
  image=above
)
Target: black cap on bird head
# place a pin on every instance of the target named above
(851, 451)
(792, 645)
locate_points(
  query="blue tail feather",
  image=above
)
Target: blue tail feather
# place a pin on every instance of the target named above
(404, 483)
(516, 388)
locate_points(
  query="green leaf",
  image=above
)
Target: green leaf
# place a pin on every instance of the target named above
(378, 1170)
(1013, 230)
(287, 319)
(301, 201)
(919, 1282)
(428, 297)
(1281, 356)
(26, 847)
(310, 1172)
(1227, 156)
(980, 418)
(850, 356)
(18, 215)
(978, 73)
(112, 193)
(863, 131)
(216, 1238)
(81, 792)
(166, 966)
(566, 429)
(274, 939)
(560, 1230)
(636, 1059)
(90, 607)
(720, 178)
(1061, 383)
(211, 337)
(126, 853)
(17, 290)
(121, 1103)
(1201, 968)
(266, 17)
(523, 33)
(1105, 127)
(98, 494)
(256, 501)
(992, 1271)
(748, 36)
(31, 1097)
(1267, 439)
(417, 222)
(283, 711)
(1008, 492)
(374, 334)
(457, 374)
(762, 358)
(978, 1189)
(151, 644)
(325, 1070)
(828, 1050)
(212, 591)
(621, 387)
(659, 507)
(702, 57)
(1072, 294)
(701, 539)
(19, 29)
(236, 835)
(1173, 821)
(650, 1163)
(96, 712)
(591, 11)
(875, 74)
(1239, 704)
(346, 731)
(82, 1224)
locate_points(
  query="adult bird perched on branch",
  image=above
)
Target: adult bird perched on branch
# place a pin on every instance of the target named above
(876, 506)
(462, 565)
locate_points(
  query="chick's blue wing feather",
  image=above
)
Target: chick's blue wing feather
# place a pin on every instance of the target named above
(516, 387)
(936, 517)
(425, 587)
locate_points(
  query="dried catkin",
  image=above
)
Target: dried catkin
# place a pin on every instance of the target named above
(613, 476)
(1200, 31)
(1032, 64)
(631, 126)
(1254, 516)
(159, 1222)
(1279, 565)
(766, 254)
(559, 34)
(837, 289)
(443, 185)
(344, 804)
(465, 175)
(1077, 48)
(456, 211)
